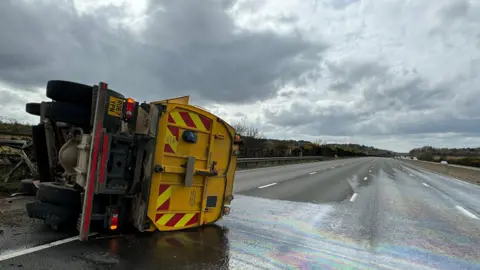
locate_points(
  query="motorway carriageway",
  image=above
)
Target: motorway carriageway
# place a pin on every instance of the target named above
(356, 213)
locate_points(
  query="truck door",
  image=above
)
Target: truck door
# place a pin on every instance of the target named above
(192, 157)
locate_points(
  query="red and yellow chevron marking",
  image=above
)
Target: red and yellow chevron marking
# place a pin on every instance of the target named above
(163, 199)
(189, 119)
(177, 220)
(171, 140)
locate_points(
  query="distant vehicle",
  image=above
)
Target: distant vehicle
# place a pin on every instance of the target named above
(415, 158)
(443, 162)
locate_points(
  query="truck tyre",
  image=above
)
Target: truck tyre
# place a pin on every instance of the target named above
(68, 113)
(58, 194)
(28, 187)
(53, 215)
(33, 108)
(70, 92)
(41, 153)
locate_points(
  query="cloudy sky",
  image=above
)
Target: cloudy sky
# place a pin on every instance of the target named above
(394, 74)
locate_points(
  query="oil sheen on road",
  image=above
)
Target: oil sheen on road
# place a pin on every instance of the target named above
(395, 222)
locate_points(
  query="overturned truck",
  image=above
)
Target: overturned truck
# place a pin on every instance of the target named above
(108, 162)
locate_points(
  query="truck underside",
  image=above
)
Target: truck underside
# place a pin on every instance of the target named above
(107, 161)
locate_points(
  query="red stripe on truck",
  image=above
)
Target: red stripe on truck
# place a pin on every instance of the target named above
(104, 158)
(187, 119)
(91, 182)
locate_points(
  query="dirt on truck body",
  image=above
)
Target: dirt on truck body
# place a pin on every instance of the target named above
(109, 161)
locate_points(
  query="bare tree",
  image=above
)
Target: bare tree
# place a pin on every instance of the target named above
(246, 129)
(240, 126)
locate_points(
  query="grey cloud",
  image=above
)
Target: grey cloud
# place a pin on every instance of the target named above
(383, 88)
(188, 47)
(292, 93)
(455, 10)
(297, 114)
(392, 103)
(307, 118)
(341, 86)
(346, 75)
(440, 125)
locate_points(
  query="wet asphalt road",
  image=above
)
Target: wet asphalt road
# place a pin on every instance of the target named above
(361, 213)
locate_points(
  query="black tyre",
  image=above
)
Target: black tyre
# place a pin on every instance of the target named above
(28, 187)
(70, 92)
(57, 194)
(41, 153)
(68, 113)
(54, 215)
(33, 108)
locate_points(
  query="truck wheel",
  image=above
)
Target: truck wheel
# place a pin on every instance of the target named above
(28, 187)
(57, 194)
(53, 215)
(68, 113)
(41, 152)
(70, 92)
(33, 108)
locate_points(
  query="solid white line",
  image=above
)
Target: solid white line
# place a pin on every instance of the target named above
(466, 212)
(17, 253)
(365, 178)
(425, 184)
(12, 198)
(313, 172)
(354, 197)
(268, 185)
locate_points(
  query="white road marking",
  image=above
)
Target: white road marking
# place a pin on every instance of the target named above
(333, 167)
(354, 197)
(365, 178)
(21, 252)
(466, 212)
(369, 170)
(425, 184)
(313, 172)
(410, 174)
(268, 185)
(12, 198)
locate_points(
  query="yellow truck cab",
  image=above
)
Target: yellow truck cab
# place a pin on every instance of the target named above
(164, 165)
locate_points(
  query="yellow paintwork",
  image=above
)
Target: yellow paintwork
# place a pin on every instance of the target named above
(212, 145)
(177, 100)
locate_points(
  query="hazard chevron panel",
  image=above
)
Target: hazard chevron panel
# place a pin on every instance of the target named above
(177, 220)
(190, 120)
(163, 199)
(171, 139)
(173, 205)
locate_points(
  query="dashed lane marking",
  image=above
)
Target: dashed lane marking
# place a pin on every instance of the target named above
(365, 178)
(425, 184)
(354, 197)
(269, 185)
(313, 172)
(466, 212)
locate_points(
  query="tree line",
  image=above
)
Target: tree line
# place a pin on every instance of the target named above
(255, 144)
(460, 156)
